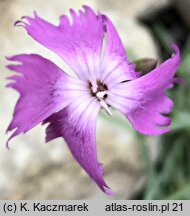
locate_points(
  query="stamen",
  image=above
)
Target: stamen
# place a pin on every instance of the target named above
(98, 90)
(101, 95)
(105, 107)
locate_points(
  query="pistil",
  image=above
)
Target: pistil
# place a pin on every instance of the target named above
(101, 95)
(98, 90)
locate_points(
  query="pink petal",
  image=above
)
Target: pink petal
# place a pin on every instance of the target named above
(143, 101)
(115, 66)
(77, 125)
(44, 89)
(79, 43)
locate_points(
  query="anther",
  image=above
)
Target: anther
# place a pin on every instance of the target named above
(105, 107)
(101, 96)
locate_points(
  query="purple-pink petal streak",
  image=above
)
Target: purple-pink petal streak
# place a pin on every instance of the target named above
(143, 101)
(77, 124)
(79, 44)
(115, 66)
(37, 80)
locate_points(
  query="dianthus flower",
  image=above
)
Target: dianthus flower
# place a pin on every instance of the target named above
(104, 78)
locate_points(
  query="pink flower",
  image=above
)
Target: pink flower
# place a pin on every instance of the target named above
(104, 78)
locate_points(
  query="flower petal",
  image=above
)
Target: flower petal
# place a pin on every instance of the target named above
(115, 67)
(143, 101)
(44, 89)
(79, 43)
(77, 125)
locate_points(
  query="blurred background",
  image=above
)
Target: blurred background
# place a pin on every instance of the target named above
(136, 167)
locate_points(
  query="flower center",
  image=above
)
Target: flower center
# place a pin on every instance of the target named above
(99, 90)
(98, 87)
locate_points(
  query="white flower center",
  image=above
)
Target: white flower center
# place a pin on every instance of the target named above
(101, 95)
(99, 91)
(105, 107)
